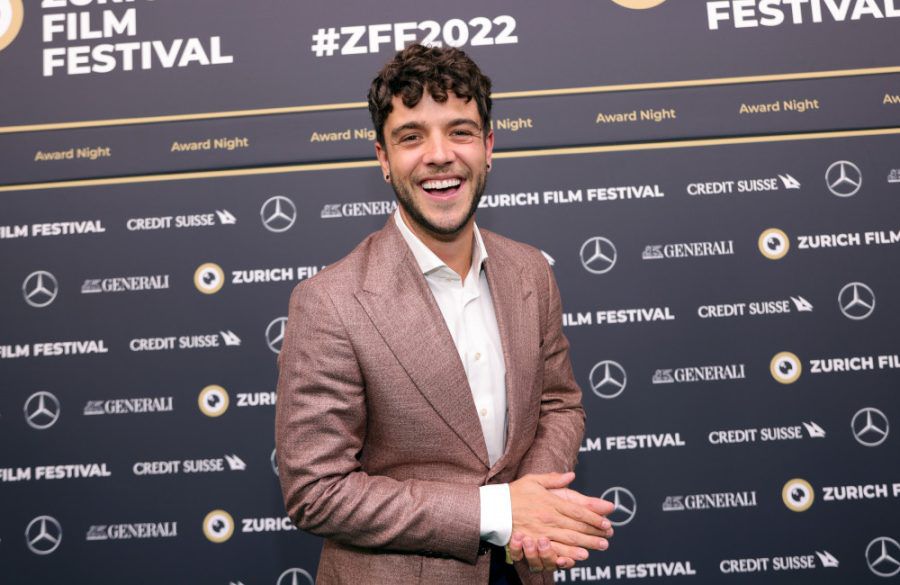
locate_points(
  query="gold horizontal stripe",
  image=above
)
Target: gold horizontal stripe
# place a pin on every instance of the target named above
(191, 175)
(500, 155)
(180, 117)
(697, 143)
(837, 73)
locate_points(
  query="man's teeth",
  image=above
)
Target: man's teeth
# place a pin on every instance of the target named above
(444, 184)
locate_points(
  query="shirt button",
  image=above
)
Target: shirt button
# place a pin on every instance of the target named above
(477, 356)
(483, 412)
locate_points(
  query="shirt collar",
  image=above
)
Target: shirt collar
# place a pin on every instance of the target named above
(427, 260)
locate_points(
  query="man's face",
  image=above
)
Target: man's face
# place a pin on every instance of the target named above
(437, 156)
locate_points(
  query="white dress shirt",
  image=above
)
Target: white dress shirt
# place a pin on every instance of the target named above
(468, 311)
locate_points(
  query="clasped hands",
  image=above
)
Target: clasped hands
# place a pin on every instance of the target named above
(553, 526)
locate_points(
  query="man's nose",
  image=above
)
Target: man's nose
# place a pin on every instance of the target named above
(439, 151)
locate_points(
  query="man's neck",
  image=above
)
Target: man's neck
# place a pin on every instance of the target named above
(455, 251)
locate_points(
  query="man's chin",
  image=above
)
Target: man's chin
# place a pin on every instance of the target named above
(442, 224)
(446, 228)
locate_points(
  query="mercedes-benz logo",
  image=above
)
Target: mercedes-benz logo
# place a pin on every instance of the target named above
(625, 505)
(883, 556)
(870, 427)
(41, 410)
(598, 255)
(275, 334)
(856, 300)
(608, 379)
(278, 214)
(295, 576)
(43, 535)
(274, 462)
(843, 178)
(40, 288)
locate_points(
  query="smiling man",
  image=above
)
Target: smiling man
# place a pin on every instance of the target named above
(427, 414)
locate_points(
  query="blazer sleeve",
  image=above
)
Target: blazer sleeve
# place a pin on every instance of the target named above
(561, 423)
(320, 428)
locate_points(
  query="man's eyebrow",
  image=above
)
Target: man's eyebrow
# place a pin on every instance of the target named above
(464, 122)
(405, 127)
(419, 126)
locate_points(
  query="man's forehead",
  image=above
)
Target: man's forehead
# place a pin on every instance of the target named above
(429, 110)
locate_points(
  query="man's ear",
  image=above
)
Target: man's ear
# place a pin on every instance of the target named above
(381, 154)
(489, 146)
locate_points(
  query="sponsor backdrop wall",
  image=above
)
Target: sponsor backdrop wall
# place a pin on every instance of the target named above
(716, 185)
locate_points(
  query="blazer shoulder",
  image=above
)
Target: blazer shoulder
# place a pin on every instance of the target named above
(525, 255)
(344, 276)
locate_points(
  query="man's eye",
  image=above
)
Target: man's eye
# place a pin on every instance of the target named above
(409, 138)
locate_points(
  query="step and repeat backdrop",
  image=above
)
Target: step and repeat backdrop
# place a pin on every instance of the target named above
(715, 183)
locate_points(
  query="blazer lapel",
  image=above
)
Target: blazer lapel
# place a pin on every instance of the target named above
(402, 308)
(513, 297)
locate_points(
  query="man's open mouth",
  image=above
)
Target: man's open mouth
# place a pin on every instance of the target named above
(441, 187)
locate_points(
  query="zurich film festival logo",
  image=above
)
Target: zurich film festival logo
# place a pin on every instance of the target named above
(43, 535)
(785, 367)
(639, 4)
(209, 278)
(774, 244)
(40, 288)
(11, 15)
(798, 495)
(213, 401)
(218, 526)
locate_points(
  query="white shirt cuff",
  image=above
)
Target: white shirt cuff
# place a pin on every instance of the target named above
(496, 514)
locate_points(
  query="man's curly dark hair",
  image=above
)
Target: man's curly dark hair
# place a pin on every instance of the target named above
(417, 69)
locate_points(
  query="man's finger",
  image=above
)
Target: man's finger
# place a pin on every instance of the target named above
(531, 555)
(575, 538)
(600, 506)
(604, 529)
(515, 547)
(548, 556)
(581, 514)
(553, 480)
(573, 553)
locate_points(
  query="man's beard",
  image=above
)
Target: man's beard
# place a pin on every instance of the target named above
(409, 205)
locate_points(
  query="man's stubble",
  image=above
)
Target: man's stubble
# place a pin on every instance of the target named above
(407, 201)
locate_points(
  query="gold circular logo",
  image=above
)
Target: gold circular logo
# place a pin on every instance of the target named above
(11, 14)
(209, 278)
(798, 495)
(785, 367)
(218, 526)
(774, 244)
(213, 400)
(639, 4)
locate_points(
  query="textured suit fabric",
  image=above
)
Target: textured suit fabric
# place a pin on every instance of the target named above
(379, 447)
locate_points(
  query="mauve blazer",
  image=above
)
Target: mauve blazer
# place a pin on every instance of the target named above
(378, 442)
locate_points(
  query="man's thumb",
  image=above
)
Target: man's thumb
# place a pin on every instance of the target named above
(555, 480)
